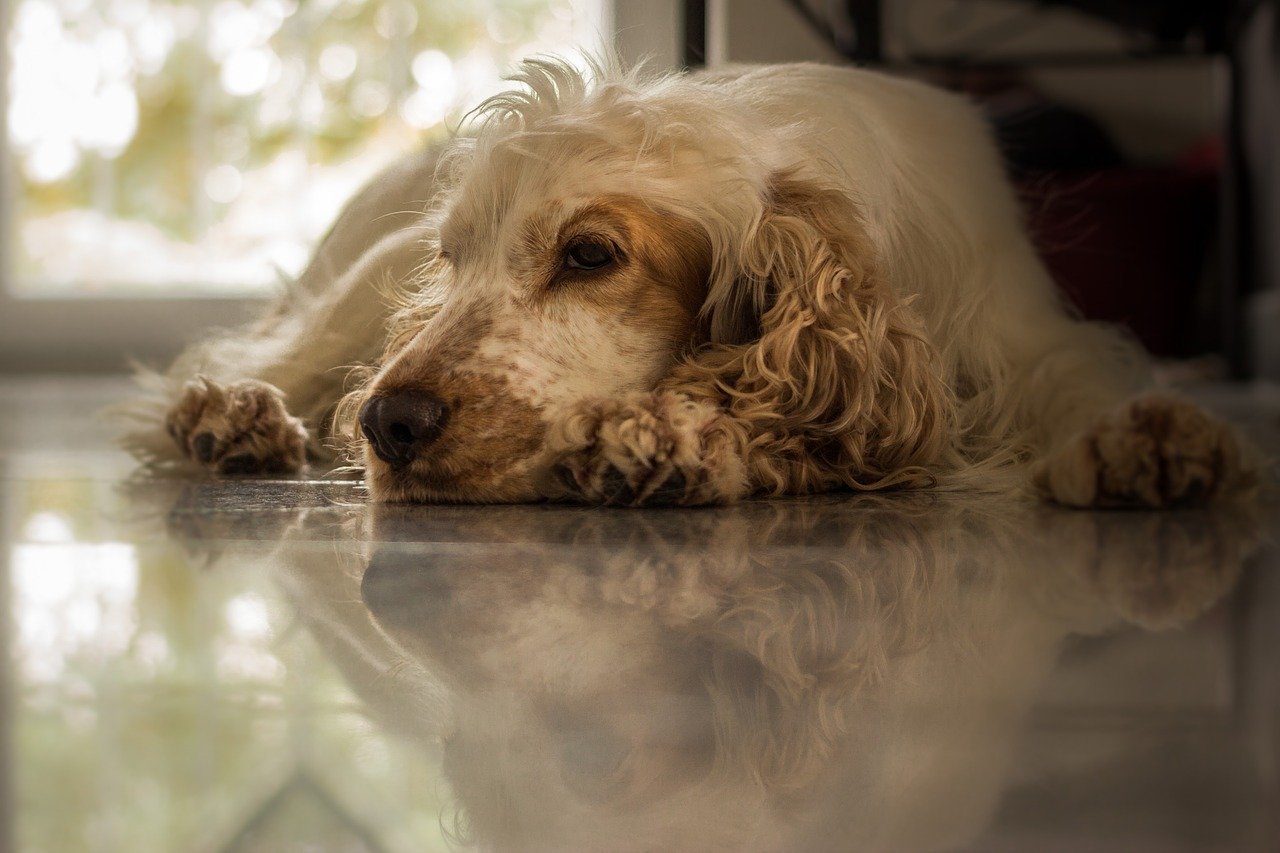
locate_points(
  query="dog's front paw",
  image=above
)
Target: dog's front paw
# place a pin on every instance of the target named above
(1151, 452)
(651, 449)
(240, 428)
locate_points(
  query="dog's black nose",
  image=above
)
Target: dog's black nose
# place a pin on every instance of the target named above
(401, 424)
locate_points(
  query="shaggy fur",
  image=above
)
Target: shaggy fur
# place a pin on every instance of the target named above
(818, 278)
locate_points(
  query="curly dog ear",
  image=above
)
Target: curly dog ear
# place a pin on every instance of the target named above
(812, 354)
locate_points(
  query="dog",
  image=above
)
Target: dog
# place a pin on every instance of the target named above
(635, 289)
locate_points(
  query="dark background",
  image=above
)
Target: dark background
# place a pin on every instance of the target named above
(1139, 133)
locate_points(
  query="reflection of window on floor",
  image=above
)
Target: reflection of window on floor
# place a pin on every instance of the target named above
(172, 146)
(179, 697)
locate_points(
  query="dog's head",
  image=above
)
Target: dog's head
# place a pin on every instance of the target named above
(571, 264)
(587, 239)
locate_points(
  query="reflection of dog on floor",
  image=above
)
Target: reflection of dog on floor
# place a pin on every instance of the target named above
(623, 681)
(689, 290)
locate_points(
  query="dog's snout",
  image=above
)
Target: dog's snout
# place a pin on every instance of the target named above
(401, 424)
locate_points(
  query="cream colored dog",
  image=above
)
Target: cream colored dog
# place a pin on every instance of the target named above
(690, 289)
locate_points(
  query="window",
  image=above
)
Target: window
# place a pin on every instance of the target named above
(168, 162)
(178, 148)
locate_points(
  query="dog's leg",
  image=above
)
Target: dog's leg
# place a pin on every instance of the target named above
(1097, 445)
(677, 447)
(260, 399)
(238, 428)
(265, 407)
(1102, 443)
(651, 449)
(1154, 451)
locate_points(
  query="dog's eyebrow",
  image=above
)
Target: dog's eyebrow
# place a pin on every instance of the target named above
(551, 226)
(597, 211)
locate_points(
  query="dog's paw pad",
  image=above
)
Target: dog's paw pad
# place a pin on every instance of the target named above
(1153, 452)
(671, 490)
(235, 429)
(614, 487)
(203, 446)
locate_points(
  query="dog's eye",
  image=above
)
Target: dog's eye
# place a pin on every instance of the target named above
(588, 255)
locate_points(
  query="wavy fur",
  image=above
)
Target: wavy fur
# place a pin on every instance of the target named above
(821, 281)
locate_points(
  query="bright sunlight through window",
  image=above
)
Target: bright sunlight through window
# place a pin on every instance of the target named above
(189, 147)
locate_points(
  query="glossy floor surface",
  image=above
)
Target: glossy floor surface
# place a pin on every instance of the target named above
(273, 665)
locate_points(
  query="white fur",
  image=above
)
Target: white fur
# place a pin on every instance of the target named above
(945, 234)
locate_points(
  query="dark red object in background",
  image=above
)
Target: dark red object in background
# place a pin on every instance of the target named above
(1129, 246)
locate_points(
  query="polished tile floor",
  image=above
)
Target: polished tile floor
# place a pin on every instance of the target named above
(274, 665)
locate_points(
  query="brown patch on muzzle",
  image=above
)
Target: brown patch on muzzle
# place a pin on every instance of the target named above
(484, 454)
(483, 449)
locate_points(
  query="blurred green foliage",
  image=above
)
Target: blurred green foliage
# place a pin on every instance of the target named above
(178, 89)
